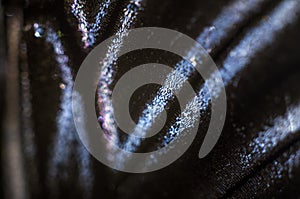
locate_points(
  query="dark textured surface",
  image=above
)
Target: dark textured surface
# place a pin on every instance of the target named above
(263, 99)
(2, 76)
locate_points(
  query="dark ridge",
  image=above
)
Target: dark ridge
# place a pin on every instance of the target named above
(2, 84)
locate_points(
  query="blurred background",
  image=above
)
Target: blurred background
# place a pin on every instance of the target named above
(255, 44)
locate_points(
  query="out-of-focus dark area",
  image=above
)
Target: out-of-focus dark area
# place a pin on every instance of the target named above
(255, 45)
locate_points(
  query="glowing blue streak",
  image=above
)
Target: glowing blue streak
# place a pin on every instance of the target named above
(65, 125)
(107, 72)
(266, 141)
(89, 30)
(230, 16)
